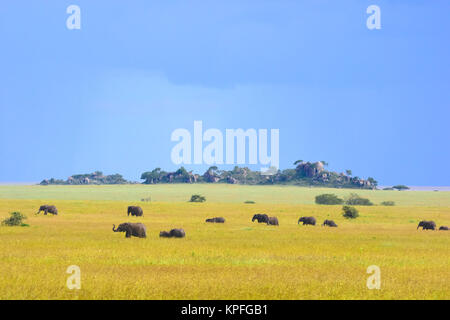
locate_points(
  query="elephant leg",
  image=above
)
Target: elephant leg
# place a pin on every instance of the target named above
(45, 212)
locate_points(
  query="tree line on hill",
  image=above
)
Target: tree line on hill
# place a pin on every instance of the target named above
(305, 173)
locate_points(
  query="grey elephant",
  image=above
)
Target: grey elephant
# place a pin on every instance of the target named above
(273, 221)
(443, 228)
(216, 220)
(47, 208)
(174, 233)
(427, 225)
(329, 223)
(307, 220)
(132, 229)
(135, 211)
(261, 218)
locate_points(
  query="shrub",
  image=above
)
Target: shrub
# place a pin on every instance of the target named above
(350, 212)
(388, 203)
(15, 220)
(250, 202)
(400, 187)
(388, 188)
(197, 198)
(355, 200)
(329, 199)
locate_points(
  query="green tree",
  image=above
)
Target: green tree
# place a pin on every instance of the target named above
(350, 212)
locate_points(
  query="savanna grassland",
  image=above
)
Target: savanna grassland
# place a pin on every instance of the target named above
(235, 260)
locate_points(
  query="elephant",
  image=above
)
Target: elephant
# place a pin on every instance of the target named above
(443, 228)
(46, 208)
(135, 211)
(329, 223)
(307, 220)
(427, 225)
(132, 229)
(273, 221)
(216, 220)
(261, 218)
(174, 233)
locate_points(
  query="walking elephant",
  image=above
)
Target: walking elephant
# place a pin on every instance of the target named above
(273, 221)
(132, 229)
(174, 233)
(135, 211)
(307, 220)
(216, 220)
(261, 218)
(46, 208)
(427, 225)
(329, 223)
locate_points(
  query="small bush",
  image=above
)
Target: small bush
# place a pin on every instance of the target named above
(250, 202)
(355, 200)
(400, 187)
(15, 219)
(388, 188)
(148, 199)
(329, 199)
(388, 203)
(197, 198)
(350, 212)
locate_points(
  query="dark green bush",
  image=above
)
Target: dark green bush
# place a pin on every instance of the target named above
(388, 203)
(15, 219)
(249, 202)
(350, 212)
(400, 187)
(355, 200)
(329, 199)
(197, 198)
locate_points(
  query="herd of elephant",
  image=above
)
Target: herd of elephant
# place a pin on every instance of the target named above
(139, 230)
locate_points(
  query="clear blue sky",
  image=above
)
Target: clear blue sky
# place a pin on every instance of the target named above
(108, 96)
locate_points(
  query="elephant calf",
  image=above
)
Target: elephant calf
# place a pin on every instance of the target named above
(427, 225)
(46, 208)
(329, 223)
(216, 220)
(174, 233)
(261, 218)
(132, 229)
(307, 220)
(273, 221)
(135, 211)
(443, 228)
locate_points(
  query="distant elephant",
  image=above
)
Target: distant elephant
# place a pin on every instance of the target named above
(174, 233)
(261, 218)
(443, 228)
(427, 225)
(216, 220)
(329, 223)
(132, 229)
(307, 220)
(135, 211)
(273, 221)
(46, 208)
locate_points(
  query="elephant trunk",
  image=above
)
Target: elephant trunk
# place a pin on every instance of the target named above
(114, 227)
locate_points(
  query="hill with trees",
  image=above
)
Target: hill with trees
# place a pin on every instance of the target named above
(304, 174)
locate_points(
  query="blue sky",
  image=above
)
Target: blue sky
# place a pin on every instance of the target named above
(108, 96)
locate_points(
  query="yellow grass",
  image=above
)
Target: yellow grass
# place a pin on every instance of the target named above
(236, 260)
